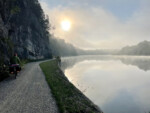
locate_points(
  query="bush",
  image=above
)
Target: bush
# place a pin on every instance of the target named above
(3, 72)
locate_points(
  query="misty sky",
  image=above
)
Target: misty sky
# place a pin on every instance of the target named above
(100, 24)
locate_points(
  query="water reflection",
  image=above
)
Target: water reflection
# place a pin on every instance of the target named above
(123, 102)
(112, 82)
(142, 62)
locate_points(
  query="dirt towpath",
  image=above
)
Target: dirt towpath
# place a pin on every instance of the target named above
(29, 93)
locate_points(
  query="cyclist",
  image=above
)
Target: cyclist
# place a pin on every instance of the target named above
(15, 62)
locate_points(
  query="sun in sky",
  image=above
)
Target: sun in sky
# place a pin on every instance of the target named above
(66, 25)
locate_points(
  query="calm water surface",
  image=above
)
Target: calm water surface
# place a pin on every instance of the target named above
(117, 84)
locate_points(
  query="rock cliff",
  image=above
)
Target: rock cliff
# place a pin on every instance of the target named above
(23, 29)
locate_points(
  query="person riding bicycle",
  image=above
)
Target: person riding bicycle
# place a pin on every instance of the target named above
(15, 61)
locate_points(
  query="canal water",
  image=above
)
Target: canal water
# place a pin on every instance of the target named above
(117, 84)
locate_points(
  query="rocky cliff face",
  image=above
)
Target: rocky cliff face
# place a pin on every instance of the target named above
(23, 29)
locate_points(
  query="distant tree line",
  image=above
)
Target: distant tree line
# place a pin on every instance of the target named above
(143, 48)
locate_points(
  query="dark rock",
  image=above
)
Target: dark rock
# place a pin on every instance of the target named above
(23, 30)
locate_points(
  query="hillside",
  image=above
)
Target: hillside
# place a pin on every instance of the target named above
(143, 48)
(23, 29)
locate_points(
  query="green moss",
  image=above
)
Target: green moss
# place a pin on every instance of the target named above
(68, 97)
(15, 10)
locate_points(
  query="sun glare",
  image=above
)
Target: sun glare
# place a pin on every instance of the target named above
(66, 25)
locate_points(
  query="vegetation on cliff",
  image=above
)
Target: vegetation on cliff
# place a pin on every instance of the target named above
(24, 29)
(27, 36)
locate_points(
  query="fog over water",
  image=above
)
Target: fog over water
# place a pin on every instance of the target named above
(117, 84)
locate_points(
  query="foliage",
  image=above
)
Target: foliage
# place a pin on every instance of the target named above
(6, 48)
(143, 48)
(38, 11)
(24, 20)
(24, 61)
(9, 43)
(3, 72)
(69, 98)
(61, 48)
(15, 10)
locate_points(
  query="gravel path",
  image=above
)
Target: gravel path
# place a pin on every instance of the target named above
(29, 93)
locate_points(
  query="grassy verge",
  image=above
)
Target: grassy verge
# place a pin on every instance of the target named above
(69, 99)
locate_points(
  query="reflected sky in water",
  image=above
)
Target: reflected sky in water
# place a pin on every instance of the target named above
(117, 84)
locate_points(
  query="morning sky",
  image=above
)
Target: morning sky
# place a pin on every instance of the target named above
(100, 24)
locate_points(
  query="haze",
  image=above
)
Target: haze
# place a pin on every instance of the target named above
(100, 24)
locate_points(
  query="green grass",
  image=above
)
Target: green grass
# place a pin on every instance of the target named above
(69, 99)
(24, 61)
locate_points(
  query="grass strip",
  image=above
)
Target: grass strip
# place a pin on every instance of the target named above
(69, 99)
